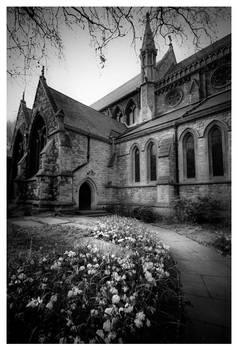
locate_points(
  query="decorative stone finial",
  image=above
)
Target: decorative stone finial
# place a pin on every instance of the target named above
(23, 96)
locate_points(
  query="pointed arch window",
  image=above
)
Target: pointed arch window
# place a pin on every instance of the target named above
(136, 164)
(131, 113)
(152, 164)
(189, 156)
(18, 152)
(216, 151)
(36, 144)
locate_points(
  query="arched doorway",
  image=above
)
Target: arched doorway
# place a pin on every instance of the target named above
(85, 197)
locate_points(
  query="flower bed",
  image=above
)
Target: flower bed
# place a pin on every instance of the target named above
(83, 296)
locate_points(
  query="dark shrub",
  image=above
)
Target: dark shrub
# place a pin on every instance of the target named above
(136, 213)
(201, 209)
(223, 243)
(112, 209)
(184, 210)
(145, 214)
(125, 210)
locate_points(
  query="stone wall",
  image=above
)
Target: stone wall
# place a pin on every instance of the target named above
(146, 192)
(204, 184)
(96, 172)
(190, 94)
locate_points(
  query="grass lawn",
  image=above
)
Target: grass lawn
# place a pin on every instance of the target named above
(112, 284)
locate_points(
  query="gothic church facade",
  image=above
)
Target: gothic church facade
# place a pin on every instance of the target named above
(165, 134)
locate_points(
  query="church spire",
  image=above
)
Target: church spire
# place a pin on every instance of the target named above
(148, 39)
(148, 53)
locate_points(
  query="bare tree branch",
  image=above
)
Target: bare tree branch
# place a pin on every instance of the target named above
(33, 32)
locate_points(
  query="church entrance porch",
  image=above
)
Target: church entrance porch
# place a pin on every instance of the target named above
(85, 197)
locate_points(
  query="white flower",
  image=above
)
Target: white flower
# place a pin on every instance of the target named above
(148, 323)
(34, 302)
(140, 315)
(82, 268)
(77, 340)
(100, 333)
(148, 265)
(107, 326)
(115, 299)
(108, 310)
(112, 335)
(53, 298)
(21, 276)
(49, 305)
(148, 276)
(56, 265)
(128, 309)
(113, 290)
(138, 323)
(70, 293)
(94, 312)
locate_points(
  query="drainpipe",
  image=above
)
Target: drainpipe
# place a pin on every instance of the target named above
(176, 161)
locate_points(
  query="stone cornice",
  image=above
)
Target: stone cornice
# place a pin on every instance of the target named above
(180, 120)
(183, 73)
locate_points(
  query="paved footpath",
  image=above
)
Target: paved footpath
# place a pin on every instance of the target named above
(205, 277)
(206, 284)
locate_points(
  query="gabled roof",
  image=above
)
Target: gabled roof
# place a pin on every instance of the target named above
(223, 42)
(217, 101)
(131, 85)
(163, 119)
(213, 103)
(80, 116)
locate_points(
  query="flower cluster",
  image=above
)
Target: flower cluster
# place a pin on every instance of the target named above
(85, 296)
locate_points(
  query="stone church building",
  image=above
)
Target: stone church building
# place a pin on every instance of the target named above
(164, 134)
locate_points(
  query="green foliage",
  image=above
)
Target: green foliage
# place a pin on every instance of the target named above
(199, 210)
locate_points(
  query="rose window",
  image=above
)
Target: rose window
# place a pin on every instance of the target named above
(221, 76)
(173, 97)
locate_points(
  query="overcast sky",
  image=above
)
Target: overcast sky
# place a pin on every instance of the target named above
(80, 76)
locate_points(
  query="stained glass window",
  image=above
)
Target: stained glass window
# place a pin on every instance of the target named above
(137, 165)
(215, 151)
(189, 155)
(37, 142)
(152, 162)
